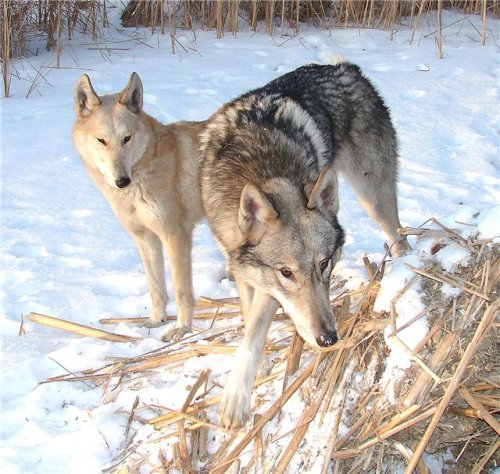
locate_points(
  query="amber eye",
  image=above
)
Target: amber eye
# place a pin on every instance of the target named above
(127, 138)
(101, 140)
(324, 264)
(286, 272)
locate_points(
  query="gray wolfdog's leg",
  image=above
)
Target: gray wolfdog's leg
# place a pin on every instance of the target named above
(235, 403)
(246, 293)
(151, 253)
(373, 178)
(179, 255)
(381, 205)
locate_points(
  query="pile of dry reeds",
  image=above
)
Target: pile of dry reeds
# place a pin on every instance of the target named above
(445, 402)
(28, 24)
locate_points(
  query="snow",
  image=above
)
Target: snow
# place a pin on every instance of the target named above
(64, 254)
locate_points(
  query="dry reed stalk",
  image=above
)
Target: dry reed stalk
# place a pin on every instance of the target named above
(434, 331)
(338, 443)
(484, 386)
(483, 460)
(492, 401)
(6, 45)
(144, 319)
(294, 354)
(423, 232)
(171, 25)
(420, 315)
(329, 379)
(420, 388)
(130, 418)
(481, 330)
(329, 383)
(469, 412)
(154, 362)
(58, 33)
(197, 422)
(479, 407)
(483, 19)
(453, 281)
(169, 418)
(219, 18)
(253, 14)
(199, 449)
(419, 14)
(452, 234)
(440, 29)
(233, 12)
(291, 389)
(183, 447)
(398, 419)
(79, 329)
(201, 380)
(205, 302)
(349, 453)
(258, 450)
(417, 359)
(269, 8)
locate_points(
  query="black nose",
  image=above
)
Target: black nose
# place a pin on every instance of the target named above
(123, 182)
(327, 340)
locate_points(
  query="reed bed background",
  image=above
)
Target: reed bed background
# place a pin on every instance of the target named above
(28, 25)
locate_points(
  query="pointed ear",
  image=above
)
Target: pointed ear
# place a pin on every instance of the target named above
(132, 95)
(256, 213)
(324, 194)
(85, 98)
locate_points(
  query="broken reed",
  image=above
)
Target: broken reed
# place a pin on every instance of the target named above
(28, 24)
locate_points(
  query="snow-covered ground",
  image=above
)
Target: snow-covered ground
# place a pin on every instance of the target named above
(64, 254)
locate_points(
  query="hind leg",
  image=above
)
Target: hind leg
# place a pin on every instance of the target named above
(381, 205)
(374, 182)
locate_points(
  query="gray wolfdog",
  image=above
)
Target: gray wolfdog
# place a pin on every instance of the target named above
(269, 188)
(149, 173)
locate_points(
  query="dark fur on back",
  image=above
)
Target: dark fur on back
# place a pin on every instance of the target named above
(333, 96)
(249, 140)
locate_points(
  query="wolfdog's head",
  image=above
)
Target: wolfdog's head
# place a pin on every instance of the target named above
(109, 132)
(293, 241)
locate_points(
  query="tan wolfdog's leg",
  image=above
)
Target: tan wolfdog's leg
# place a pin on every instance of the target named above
(178, 248)
(150, 250)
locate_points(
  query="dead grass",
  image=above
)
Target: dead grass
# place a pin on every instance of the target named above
(47, 22)
(33, 23)
(447, 401)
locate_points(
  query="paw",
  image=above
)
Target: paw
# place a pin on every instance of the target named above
(155, 322)
(234, 408)
(175, 334)
(400, 248)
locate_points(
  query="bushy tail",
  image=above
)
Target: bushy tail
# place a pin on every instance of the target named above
(331, 58)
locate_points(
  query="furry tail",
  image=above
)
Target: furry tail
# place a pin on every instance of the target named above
(331, 58)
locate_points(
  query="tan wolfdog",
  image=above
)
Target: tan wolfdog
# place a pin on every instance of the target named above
(149, 173)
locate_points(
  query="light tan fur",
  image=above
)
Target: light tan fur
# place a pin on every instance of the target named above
(149, 173)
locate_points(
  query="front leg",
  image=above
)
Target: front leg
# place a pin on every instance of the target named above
(246, 293)
(150, 250)
(179, 255)
(235, 404)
